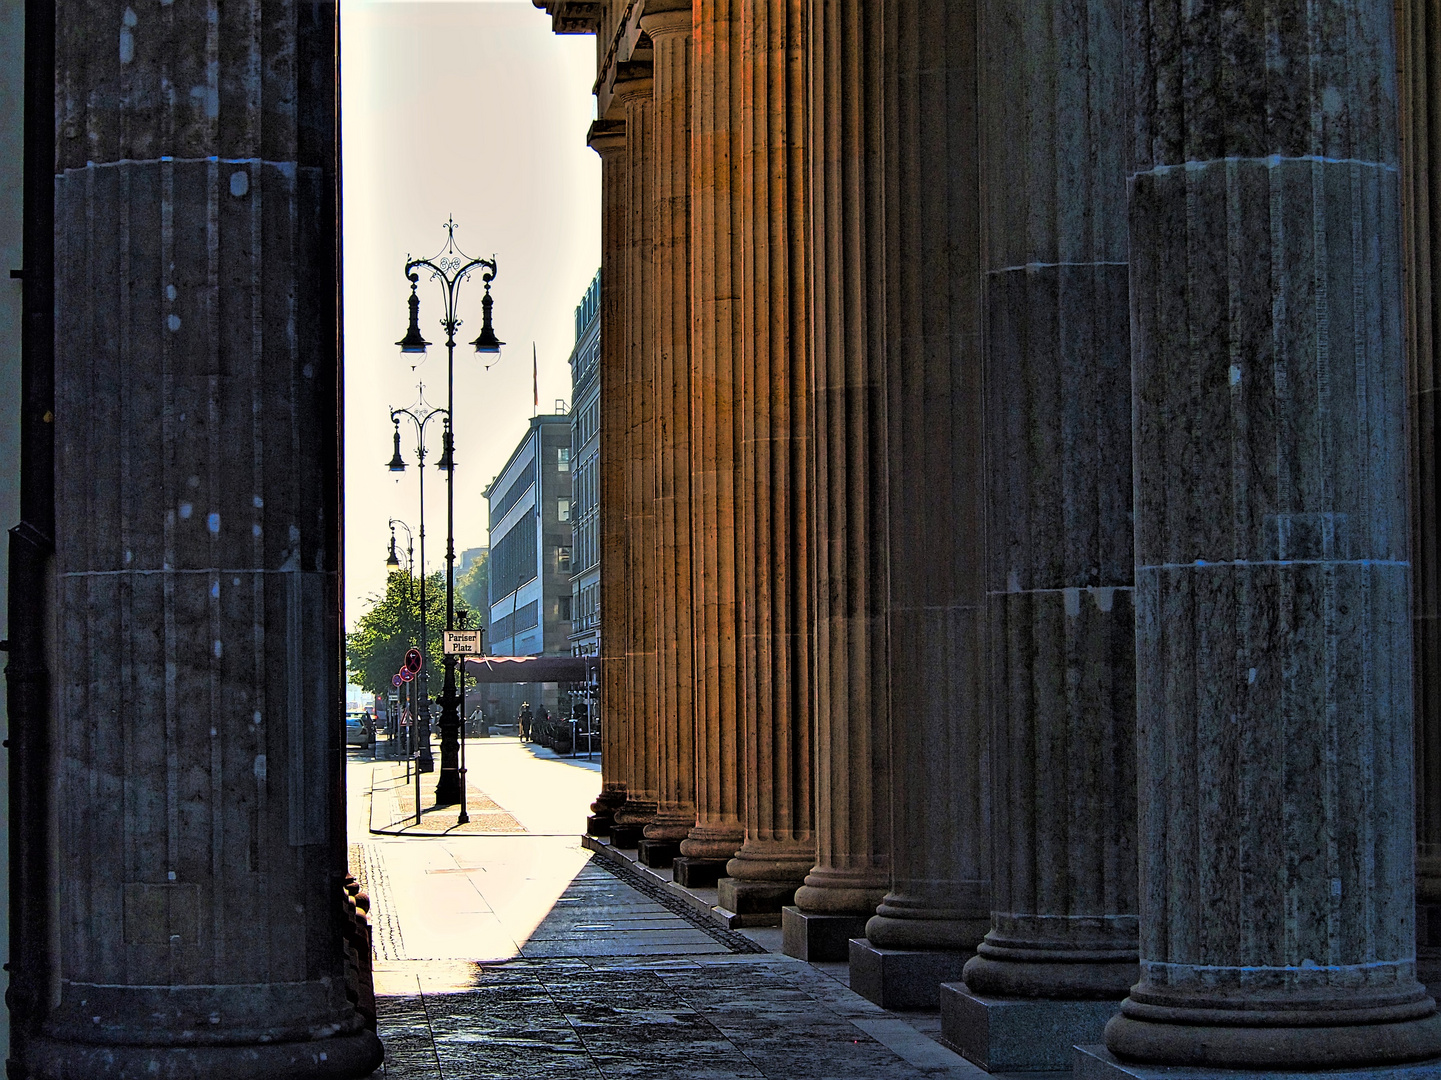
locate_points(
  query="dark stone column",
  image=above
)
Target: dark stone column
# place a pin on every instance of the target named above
(1274, 659)
(1420, 69)
(848, 547)
(607, 138)
(715, 443)
(775, 399)
(198, 710)
(669, 31)
(940, 900)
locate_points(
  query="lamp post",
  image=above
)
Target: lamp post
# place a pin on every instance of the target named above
(449, 268)
(420, 415)
(392, 564)
(462, 621)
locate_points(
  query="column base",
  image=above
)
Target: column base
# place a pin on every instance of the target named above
(755, 897)
(713, 842)
(657, 854)
(627, 837)
(1098, 1063)
(345, 1057)
(597, 825)
(1019, 1034)
(809, 936)
(692, 873)
(902, 979)
(1274, 1048)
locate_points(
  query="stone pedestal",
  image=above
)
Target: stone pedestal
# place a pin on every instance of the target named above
(626, 837)
(716, 511)
(755, 897)
(940, 892)
(198, 902)
(1273, 644)
(902, 978)
(693, 873)
(658, 854)
(1097, 1063)
(810, 936)
(598, 825)
(1018, 1034)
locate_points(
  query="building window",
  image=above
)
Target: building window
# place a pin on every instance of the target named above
(562, 559)
(562, 509)
(564, 602)
(562, 456)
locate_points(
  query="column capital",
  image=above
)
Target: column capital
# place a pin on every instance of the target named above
(665, 20)
(606, 137)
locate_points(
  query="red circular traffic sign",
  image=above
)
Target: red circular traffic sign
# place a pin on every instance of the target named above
(413, 661)
(406, 675)
(395, 680)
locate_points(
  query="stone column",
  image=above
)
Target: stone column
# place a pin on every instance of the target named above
(607, 138)
(1059, 567)
(198, 710)
(1273, 644)
(670, 35)
(1420, 69)
(633, 97)
(774, 403)
(849, 492)
(715, 507)
(940, 901)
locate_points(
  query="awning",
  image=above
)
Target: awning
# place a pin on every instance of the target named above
(533, 669)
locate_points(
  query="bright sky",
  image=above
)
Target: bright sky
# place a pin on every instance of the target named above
(473, 109)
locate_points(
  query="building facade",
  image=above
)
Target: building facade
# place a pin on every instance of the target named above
(585, 475)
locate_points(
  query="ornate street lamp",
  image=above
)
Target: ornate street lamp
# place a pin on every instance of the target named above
(392, 564)
(449, 268)
(420, 414)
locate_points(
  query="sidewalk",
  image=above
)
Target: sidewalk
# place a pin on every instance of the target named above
(517, 954)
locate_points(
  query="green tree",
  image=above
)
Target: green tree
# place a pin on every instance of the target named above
(472, 589)
(375, 650)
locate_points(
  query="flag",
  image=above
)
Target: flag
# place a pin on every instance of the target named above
(535, 377)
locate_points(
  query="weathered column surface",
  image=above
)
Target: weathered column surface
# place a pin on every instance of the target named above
(1274, 659)
(715, 445)
(848, 552)
(940, 830)
(607, 138)
(669, 32)
(1420, 47)
(1058, 453)
(633, 96)
(201, 853)
(774, 405)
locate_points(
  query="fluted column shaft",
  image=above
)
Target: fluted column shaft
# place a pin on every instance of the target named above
(775, 451)
(940, 825)
(1273, 642)
(1059, 563)
(1420, 138)
(670, 34)
(201, 856)
(715, 443)
(617, 715)
(849, 520)
(643, 577)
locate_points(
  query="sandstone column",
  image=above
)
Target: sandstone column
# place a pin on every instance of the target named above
(198, 711)
(940, 902)
(715, 507)
(1059, 566)
(1273, 644)
(607, 138)
(1420, 67)
(849, 492)
(774, 403)
(670, 34)
(633, 96)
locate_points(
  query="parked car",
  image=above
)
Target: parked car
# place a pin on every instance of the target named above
(358, 729)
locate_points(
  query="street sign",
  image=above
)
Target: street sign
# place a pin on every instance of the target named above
(395, 680)
(413, 661)
(462, 642)
(406, 675)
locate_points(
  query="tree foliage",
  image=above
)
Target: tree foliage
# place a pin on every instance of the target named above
(472, 588)
(375, 650)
